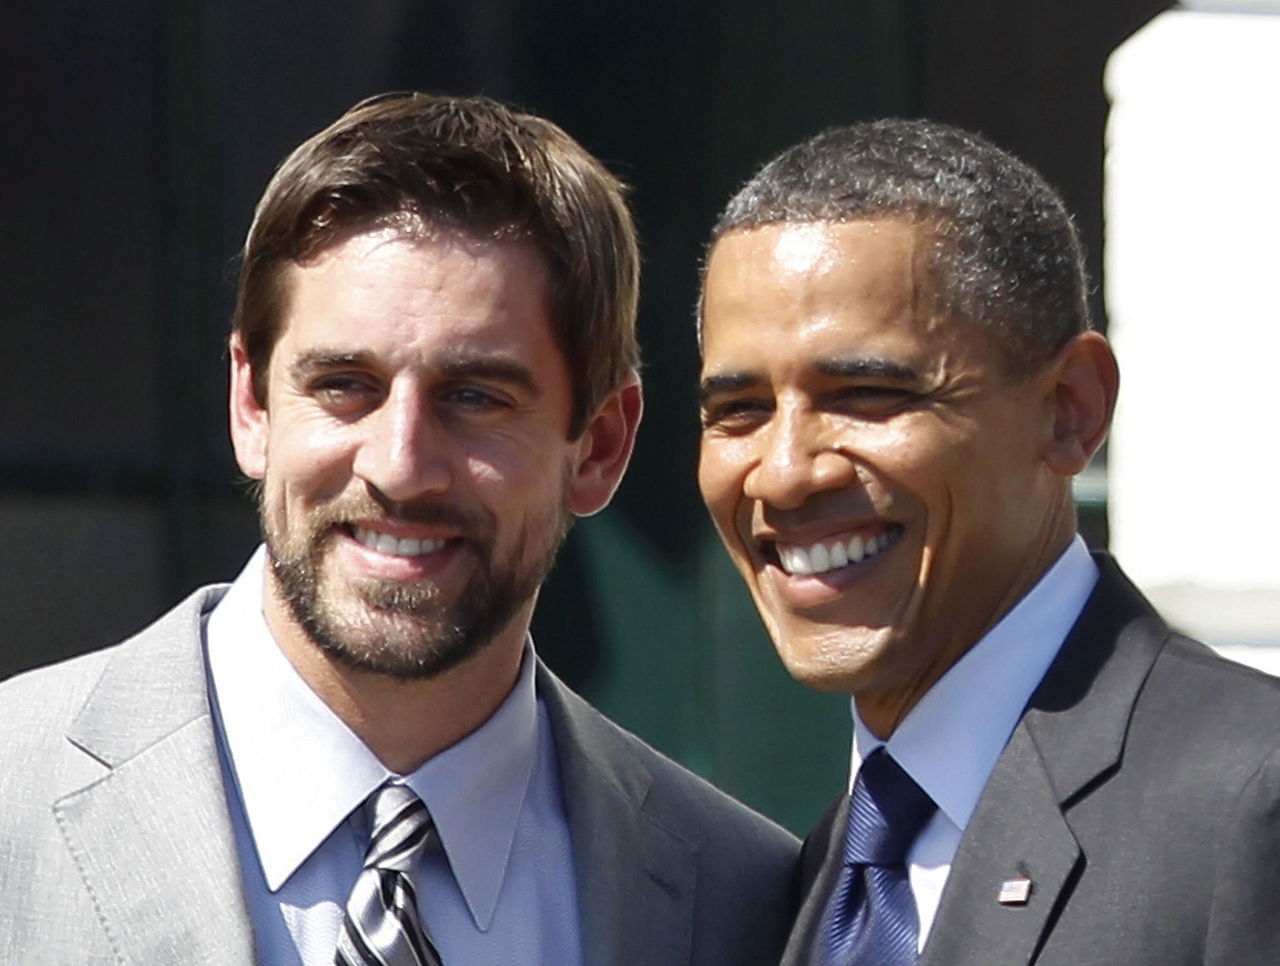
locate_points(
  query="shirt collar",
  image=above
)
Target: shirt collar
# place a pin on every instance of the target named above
(950, 741)
(301, 771)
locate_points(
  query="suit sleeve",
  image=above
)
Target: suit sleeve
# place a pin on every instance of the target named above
(1244, 917)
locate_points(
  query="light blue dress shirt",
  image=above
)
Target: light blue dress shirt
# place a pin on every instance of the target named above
(502, 891)
(950, 741)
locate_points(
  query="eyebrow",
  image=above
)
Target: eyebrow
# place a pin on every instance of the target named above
(864, 367)
(322, 360)
(725, 383)
(875, 367)
(456, 365)
(496, 368)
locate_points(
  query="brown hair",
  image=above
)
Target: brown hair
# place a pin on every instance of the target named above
(461, 163)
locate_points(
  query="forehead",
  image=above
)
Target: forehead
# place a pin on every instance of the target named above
(856, 256)
(390, 284)
(855, 281)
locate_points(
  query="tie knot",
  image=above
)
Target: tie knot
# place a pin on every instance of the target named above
(886, 812)
(400, 828)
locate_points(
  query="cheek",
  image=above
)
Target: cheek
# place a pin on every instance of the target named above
(307, 457)
(722, 467)
(708, 482)
(721, 501)
(525, 467)
(926, 466)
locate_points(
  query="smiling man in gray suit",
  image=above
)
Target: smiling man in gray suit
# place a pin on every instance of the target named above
(353, 754)
(899, 382)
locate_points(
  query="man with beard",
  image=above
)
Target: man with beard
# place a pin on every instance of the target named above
(352, 754)
(899, 382)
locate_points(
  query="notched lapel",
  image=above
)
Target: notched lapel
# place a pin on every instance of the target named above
(1070, 737)
(637, 879)
(1017, 831)
(152, 838)
(636, 888)
(821, 861)
(154, 845)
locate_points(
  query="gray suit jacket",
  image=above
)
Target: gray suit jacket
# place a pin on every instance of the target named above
(116, 844)
(1141, 795)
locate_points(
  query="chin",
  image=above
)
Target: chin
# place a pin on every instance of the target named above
(834, 658)
(822, 672)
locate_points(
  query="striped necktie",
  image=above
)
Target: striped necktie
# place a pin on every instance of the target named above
(381, 927)
(871, 920)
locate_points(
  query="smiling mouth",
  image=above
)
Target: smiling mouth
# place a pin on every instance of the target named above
(828, 555)
(396, 546)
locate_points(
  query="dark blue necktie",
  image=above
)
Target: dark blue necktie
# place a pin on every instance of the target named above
(871, 920)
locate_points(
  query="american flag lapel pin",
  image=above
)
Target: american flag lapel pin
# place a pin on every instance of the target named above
(1015, 891)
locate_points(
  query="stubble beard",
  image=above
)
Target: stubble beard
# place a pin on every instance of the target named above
(408, 631)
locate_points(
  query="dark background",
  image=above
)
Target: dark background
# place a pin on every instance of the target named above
(138, 134)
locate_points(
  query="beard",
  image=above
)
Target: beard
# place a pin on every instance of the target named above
(408, 631)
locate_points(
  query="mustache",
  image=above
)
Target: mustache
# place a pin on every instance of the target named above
(344, 510)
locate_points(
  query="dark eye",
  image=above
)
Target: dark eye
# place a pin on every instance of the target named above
(873, 400)
(731, 414)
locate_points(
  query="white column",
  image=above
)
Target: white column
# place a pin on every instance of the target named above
(1192, 204)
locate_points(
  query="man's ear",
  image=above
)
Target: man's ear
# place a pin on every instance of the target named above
(249, 420)
(1084, 382)
(604, 449)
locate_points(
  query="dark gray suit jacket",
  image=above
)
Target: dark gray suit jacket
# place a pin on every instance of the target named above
(1140, 793)
(116, 844)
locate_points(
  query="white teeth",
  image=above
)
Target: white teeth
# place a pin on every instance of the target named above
(795, 560)
(839, 555)
(822, 557)
(395, 546)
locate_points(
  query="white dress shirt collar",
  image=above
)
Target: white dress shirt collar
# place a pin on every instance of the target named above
(950, 741)
(301, 771)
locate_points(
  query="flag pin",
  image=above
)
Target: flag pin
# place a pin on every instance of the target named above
(1014, 892)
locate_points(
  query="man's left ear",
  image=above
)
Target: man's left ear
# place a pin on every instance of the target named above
(604, 449)
(1084, 380)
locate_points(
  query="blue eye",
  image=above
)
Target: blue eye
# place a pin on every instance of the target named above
(473, 397)
(340, 384)
(343, 394)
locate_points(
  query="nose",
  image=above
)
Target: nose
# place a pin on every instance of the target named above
(795, 461)
(405, 451)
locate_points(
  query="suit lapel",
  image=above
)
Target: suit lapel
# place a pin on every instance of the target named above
(636, 880)
(1017, 831)
(152, 838)
(820, 863)
(1069, 739)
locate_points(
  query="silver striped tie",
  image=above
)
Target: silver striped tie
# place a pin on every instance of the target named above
(381, 927)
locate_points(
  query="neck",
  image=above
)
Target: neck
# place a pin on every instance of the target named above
(406, 722)
(884, 709)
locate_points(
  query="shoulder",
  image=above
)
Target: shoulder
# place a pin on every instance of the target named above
(595, 749)
(633, 807)
(1189, 693)
(1121, 649)
(1200, 729)
(1220, 715)
(36, 700)
(38, 706)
